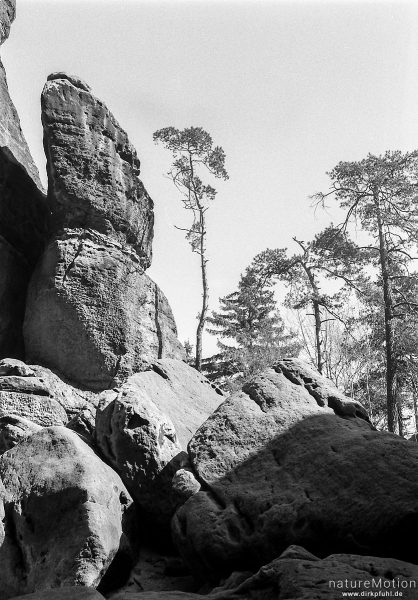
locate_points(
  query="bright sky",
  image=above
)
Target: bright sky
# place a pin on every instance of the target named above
(287, 88)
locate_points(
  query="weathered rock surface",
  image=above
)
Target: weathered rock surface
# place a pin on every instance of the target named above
(14, 277)
(38, 408)
(67, 593)
(84, 423)
(157, 572)
(93, 315)
(64, 510)
(182, 393)
(14, 430)
(13, 366)
(37, 394)
(93, 168)
(140, 442)
(143, 427)
(278, 468)
(299, 575)
(7, 15)
(73, 399)
(23, 212)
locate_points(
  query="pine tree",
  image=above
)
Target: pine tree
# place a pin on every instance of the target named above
(249, 319)
(380, 193)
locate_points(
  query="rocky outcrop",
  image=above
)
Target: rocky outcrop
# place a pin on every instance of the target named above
(37, 394)
(143, 427)
(92, 313)
(278, 466)
(63, 514)
(23, 212)
(93, 168)
(182, 393)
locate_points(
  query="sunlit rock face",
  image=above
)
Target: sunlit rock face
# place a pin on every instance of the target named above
(93, 169)
(143, 427)
(92, 313)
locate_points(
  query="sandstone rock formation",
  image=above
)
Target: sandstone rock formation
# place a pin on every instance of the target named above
(93, 168)
(93, 314)
(23, 212)
(37, 394)
(29, 399)
(63, 514)
(299, 575)
(14, 430)
(280, 467)
(142, 428)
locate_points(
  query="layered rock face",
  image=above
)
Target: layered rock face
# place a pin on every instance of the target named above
(23, 211)
(92, 314)
(279, 466)
(37, 394)
(93, 168)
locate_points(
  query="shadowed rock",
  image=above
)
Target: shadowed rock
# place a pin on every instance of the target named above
(278, 466)
(7, 15)
(23, 211)
(299, 575)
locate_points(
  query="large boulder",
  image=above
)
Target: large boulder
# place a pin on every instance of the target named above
(142, 428)
(93, 168)
(93, 315)
(279, 466)
(63, 513)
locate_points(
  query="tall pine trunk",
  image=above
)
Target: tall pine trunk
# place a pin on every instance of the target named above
(317, 316)
(205, 291)
(391, 366)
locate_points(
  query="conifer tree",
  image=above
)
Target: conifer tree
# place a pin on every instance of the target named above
(248, 318)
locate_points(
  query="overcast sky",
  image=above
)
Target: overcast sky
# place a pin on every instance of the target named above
(287, 88)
